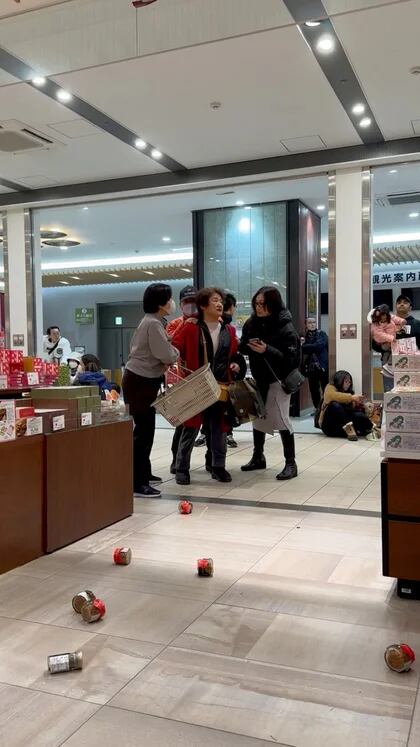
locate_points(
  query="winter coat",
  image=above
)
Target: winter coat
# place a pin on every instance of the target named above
(90, 378)
(332, 394)
(315, 351)
(193, 340)
(387, 332)
(283, 348)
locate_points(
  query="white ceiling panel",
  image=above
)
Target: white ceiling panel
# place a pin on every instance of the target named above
(4, 190)
(72, 35)
(344, 6)
(100, 156)
(9, 7)
(170, 25)
(382, 45)
(6, 79)
(266, 98)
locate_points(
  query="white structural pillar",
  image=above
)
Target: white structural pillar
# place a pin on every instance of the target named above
(350, 273)
(18, 280)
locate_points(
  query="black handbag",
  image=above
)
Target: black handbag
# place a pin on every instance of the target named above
(293, 381)
(246, 401)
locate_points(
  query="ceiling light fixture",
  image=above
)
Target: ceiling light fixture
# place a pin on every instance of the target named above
(244, 225)
(52, 233)
(325, 44)
(156, 154)
(74, 277)
(358, 109)
(312, 24)
(393, 171)
(62, 243)
(64, 96)
(140, 144)
(365, 122)
(116, 261)
(85, 208)
(148, 272)
(39, 81)
(413, 215)
(64, 282)
(186, 269)
(240, 203)
(320, 207)
(166, 239)
(113, 275)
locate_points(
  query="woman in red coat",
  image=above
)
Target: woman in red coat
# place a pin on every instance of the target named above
(209, 339)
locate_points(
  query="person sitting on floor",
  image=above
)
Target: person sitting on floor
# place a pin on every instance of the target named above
(341, 410)
(90, 373)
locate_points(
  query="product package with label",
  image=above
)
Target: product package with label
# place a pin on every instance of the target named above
(405, 362)
(402, 401)
(7, 420)
(402, 445)
(403, 422)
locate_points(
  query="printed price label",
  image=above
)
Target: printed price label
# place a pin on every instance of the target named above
(33, 379)
(58, 423)
(86, 418)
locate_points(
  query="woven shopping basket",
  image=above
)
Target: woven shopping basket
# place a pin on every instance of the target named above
(189, 397)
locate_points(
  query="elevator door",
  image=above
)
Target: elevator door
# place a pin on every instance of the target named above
(117, 324)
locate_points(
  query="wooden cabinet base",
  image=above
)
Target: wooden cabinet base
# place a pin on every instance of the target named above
(89, 481)
(21, 499)
(404, 549)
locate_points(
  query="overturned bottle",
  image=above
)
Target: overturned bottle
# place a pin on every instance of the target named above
(122, 556)
(205, 567)
(93, 611)
(81, 598)
(65, 662)
(185, 507)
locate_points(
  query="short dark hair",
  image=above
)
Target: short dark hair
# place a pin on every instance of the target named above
(378, 311)
(204, 296)
(272, 299)
(404, 297)
(230, 301)
(156, 295)
(91, 363)
(53, 326)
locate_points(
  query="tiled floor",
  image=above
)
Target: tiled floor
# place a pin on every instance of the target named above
(284, 645)
(333, 473)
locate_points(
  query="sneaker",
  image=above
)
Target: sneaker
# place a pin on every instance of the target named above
(146, 491)
(350, 432)
(230, 441)
(289, 472)
(155, 480)
(182, 478)
(220, 474)
(201, 440)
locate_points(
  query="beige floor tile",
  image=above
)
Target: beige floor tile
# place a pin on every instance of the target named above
(112, 726)
(47, 565)
(284, 562)
(339, 543)
(364, 525)
(414, 739)
(154, 506)
(357, 572)
(35, 719)
(300, 708)
(334, 496)
(373, 607)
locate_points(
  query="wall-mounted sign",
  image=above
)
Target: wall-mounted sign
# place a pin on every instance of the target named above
(348, 331)
(85, 316)
(118, 321)
(18, 341)
(396, 278)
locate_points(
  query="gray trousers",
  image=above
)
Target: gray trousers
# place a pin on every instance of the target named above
(217, 438)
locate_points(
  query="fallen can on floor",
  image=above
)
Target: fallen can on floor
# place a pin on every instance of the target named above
(65, 662)
(122, 556)
(81, 598)
(205, 567)
(93, 611)
(185, 507)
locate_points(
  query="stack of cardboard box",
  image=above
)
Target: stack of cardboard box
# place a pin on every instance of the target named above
(75, 406)
(402, 409)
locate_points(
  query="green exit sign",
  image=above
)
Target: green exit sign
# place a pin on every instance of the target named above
(85, 316)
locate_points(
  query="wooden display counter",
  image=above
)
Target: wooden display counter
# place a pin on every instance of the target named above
(89, 481)
(21, 501)
(400, 488)
(57, 488)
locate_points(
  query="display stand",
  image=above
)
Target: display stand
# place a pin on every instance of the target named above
(21, 501)
(89, 481)
(400, 489)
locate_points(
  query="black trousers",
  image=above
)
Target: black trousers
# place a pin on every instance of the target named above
(139, 393)
(216, 440)
(317, 381)
(336, 415)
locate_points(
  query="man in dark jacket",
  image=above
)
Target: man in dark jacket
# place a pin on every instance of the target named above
(315, 360)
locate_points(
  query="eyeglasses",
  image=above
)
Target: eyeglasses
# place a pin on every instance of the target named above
(260, 303)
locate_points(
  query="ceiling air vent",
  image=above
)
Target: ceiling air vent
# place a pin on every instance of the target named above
(404, 198)
(16, 137)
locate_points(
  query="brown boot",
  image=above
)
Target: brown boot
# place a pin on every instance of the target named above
(351, 434)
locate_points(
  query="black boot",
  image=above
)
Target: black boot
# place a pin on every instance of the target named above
(258, 458)
(220, 474)
(290, 470)
(209, 461)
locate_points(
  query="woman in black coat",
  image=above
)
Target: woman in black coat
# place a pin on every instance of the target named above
(273, 346)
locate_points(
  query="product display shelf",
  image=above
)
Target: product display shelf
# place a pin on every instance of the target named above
(400, 491)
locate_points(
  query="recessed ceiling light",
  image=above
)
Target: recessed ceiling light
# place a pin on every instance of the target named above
(148, 272)
(320, 207)
(140, 144)
(39, 81)
(166, 239)
(247, 207)
(64, 248)
(156, 154)
(64, 282)
(113, 275)
(325, 44)
(358, 109)
(240, 202)
(85, 207)
(74, 277)
(244, 225)
(64, 96)
(365, 122)
(393, 171)
(186, 269)
(413, 215)
(312, 24)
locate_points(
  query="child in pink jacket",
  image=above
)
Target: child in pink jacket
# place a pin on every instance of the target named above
(385, 326)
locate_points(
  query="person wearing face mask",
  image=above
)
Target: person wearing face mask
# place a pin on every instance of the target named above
(150, 354)
(73, 362)
(188, 306)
